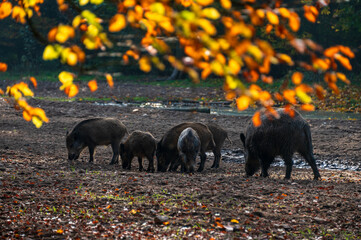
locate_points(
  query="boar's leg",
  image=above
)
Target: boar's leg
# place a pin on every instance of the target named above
(140, 162)
(115, 147)
(203, 161)
(174, 163)
(91, 152)
(217, 158)
(289, 163)
(265, 164)
(312, 162)
(150, 163)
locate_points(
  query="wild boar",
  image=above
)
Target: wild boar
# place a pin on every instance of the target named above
(138, 144)
(278, 136)
(219, 136)
(188, 145)
(167, 152)
(94, 132)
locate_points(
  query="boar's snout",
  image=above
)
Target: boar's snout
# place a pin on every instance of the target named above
(72, 156)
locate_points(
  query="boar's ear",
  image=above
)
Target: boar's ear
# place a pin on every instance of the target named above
(243, 139)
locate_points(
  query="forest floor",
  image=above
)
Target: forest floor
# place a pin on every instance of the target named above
(42, 195)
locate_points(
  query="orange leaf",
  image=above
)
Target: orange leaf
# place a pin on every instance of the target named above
(144, 64)
(289, 95)
(344, 61)
(93, 85)
(272, 18)
(227, 4)
(109, 80)
(319, 91)
(60, 231)
(117, 23)
(71, 90)
(256, 119)
(347, 51)
(289, 110)
(269, 28)
(5, 9)
(297, 78)
(129, 3)
(284, 12)
(204, 2)
(243, 102)
(230, 95)
(186, 3)
(342, 77)
(331, 51)
(33, 81)
(27, 116)
(3, 67)
(311, 13)
(307, 107)
(334, 87)
(278, 96)
(294, 22)
(1, 92)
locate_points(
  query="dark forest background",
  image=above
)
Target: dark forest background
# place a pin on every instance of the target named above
(339, 23)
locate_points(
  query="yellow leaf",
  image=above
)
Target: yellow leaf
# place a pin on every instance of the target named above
(217, 68)
(255, 52)
(234, 221)
(93, 86)
(285, 58)
(83, 2)
(3, 67)
(272, 18)
(157, 7)
(297, 78)
(40, 113)
(92, 31)
(109, 80)
(211, 13)
(243, 102)
(207, 26)
(204, 2)
(303, 96)
(60, 231)
(144, 64)
(96, 2)
(66, 78)
(72, 59)
(37, 122)
(117, 23)
(231, 82)
(64, 33)
(227, 4)
(133, 211)
(234, 66)
(51, 52)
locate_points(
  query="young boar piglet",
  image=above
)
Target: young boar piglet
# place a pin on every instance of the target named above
(94, 132)
(138, 144)
(281, 136)
(188, 147)
(167, 152)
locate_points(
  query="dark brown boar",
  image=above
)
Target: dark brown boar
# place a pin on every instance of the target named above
(167, 152)
(188, 147)
(281, 136)
(219, 136)
(138, 144)
(93, 132)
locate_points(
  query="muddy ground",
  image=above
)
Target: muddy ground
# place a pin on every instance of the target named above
(44, 196)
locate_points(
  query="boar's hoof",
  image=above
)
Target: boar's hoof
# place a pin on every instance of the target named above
(113, 162)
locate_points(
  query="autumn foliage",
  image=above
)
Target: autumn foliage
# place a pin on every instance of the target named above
(218, 38)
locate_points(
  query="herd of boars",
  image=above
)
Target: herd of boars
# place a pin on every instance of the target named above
(276, 136)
